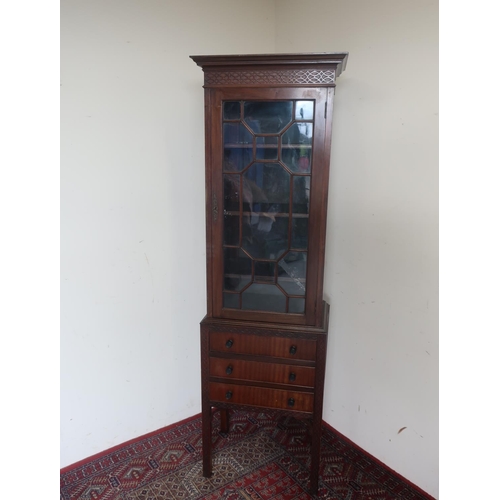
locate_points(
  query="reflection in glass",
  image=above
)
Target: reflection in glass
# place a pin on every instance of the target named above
(236, 133)
(304, 110)
(231, 192)
(232, 110)
(300, 227)
(264, 271)
(296, 147)
(266, 188)
(299, 133)
(292, 273)
(231, 230)
(268, 117)
(297, 159)
(232, 300)
(265, 253)
(262, 243)
(231, 209)
(261, 297)
(237, 269)
(236, 159)
(296, 306)
(266, 194)
(267, 148)
(300, 201)
(238, 143)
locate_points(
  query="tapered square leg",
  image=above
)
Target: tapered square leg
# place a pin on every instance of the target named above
(315, 453)
(207, 439)
(206, 409)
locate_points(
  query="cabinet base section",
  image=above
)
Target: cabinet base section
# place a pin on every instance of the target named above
(264, 366)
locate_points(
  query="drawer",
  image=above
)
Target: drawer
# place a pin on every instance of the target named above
(262, 372)
(262, 397)
(260, 345)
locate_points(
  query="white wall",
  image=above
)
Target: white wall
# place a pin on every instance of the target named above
(132, 215)
(132, 209)
(382, 248)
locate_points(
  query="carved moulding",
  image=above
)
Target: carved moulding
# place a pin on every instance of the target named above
(270, 77)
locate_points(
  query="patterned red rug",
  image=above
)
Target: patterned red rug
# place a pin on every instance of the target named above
(264, 456)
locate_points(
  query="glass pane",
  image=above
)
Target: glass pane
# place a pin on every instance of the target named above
(267, 156)
(296, 147)
(267, 148)
(231, 210)
(266, 188)
(264, 271)
(232, 300)
(292, 273)
(231, 193)
(266, 193)
(296, 306)
(300, 227)
(268, 117)
(238, 144)
(300, 133)
(237, 269)
(300, 202)
(231, 230)
(304, 110)
(262, 297)
(297, 159)
(232, 110)
(236, 133)
(262, 243)
(236, 159)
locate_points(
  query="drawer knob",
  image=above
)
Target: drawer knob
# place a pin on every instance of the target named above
(293, 349)
(291, 402)
(229, 394)
(292, 377)
(229, 343)
(229, 370)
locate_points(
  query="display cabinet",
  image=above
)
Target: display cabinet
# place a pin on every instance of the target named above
(267, 154)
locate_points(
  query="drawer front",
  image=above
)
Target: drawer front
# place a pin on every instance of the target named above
(262, 397)
(260, 345)
(262, 372)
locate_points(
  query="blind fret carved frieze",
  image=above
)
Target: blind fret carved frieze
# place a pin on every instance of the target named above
(271, 77)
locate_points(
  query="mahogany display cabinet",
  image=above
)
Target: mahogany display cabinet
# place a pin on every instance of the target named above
(268, 125)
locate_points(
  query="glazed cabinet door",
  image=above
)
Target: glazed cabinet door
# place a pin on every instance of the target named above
(268, 177)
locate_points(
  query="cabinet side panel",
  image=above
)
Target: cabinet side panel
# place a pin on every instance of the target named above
(215, 217)
(318, 214)
(208, 199)
(325, 176)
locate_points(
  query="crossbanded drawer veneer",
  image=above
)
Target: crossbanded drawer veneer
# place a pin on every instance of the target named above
(267, 155)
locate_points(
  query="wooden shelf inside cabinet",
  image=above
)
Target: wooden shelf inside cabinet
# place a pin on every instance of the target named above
(267, 154)
(248, 214)
(267, 146)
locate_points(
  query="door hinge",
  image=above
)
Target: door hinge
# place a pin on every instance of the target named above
(326, 105)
